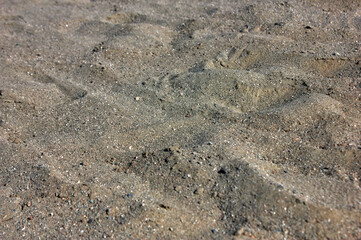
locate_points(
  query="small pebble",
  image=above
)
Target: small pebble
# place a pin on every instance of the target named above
(222, 171)
(199, 191)
(178, 189)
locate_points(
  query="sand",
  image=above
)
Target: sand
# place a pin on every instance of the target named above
(180, 119)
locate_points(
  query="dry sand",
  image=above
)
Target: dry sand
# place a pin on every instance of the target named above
(180, 119)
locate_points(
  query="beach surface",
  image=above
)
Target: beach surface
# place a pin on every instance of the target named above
(180, 119)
